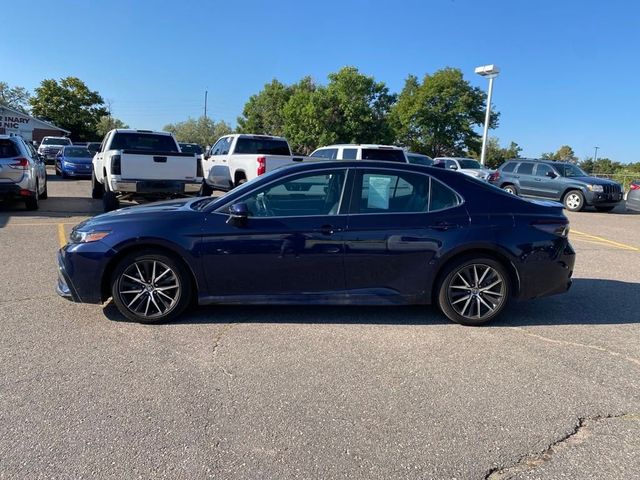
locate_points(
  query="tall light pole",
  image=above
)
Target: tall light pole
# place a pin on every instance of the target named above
(490, 72)
(595, 156)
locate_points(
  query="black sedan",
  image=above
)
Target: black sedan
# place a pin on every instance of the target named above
(348, 232)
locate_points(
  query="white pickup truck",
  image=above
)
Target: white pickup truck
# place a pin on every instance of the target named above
(236, 159)
(142, 164)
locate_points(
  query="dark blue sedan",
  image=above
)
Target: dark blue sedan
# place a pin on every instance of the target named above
(73, 161)
(349, 232)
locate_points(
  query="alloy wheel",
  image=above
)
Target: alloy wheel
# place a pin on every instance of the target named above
(149, 288)
(573, 201)
(477, 291)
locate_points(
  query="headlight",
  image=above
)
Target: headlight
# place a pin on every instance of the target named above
(78, 236)
(596, 188)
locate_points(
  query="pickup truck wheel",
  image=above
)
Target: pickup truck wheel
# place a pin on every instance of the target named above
(205, 190)
(240, 181)
(97, 189)
(110, 201)
(573, 200)
(150, 287)
(33, 202)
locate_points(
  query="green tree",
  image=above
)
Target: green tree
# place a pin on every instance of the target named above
(263, 111)
(107, 123)
(14, 97)
(203, 130)
(497, 155)
(564, 154)
(69, 104)
(438, 116)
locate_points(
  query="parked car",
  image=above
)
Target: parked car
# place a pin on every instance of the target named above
(142, 165)
(23, 175)
(190, 148)
(468, 166)
(51, 146)
(419, 159)
(560, 181)
(236, 159)
(633, 196)
(74, 161)
(348, 232)
(389, 153)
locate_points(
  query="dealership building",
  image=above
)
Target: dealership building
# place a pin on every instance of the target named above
(30, 128)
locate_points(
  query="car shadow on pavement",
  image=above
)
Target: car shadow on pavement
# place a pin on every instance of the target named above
(589, 302)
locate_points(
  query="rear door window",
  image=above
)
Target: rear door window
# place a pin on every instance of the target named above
(349, 153)
(526, 168)
(328, 153)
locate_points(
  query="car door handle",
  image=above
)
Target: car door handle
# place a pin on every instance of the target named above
(538, 179)
(328, 230)
(443, 226)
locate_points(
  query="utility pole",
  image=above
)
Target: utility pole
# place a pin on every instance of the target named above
(595, 156)
(206, 92)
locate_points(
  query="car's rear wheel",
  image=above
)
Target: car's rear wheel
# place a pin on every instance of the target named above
(605, 209)
(97, 189)
(474, 291)
(33, 202)
(150, 287)
(510, 189)
(573, 200)
(45, 193)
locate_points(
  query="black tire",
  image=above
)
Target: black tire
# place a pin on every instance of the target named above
(573, 200)
(240, 181)
(124, 290)
(605, 209)
(45, 193)
(33, 203)
(110, 201)
(509, 188)
(55, 168)
(63, 175)
(97, 189)
(205, 190)
(480, 306)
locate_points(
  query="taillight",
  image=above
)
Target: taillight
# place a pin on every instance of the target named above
(555, 227)
(20, 163)
(494, 176)
(262, 165)
(115, 165)
(635, 186)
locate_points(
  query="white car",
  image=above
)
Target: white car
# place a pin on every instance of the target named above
(388, 153)
(142, 164)
(51, 146)
(468, 166)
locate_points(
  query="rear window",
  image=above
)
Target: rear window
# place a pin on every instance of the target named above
(190, 148)
(509, 167)
(526, 168)
(266, 146)
(8, 149)
(77, 152)
(144, 141)
(56, 141)
(390, 155)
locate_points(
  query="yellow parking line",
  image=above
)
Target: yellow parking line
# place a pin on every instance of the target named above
(38, 224)
(62, 236)
(607, 241)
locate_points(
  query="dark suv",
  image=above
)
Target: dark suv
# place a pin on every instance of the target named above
(560, 181)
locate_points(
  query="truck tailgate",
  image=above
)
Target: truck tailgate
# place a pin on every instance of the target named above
(136, 164)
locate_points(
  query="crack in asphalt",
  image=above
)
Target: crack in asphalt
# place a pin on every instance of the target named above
(580, 432)
(581, 345)
(26, 299)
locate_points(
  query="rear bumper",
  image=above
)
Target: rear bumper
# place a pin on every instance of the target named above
(545, 278)
(14, 190)
(155, 187)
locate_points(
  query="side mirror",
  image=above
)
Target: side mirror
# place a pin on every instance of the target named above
(551, 174)
(238, 214)
(207, 156)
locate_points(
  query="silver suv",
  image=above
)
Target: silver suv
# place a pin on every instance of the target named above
(23, 174)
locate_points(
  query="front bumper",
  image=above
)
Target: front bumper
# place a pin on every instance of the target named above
(81, 268)
(604, 199)
(76, 169)
(64, 287)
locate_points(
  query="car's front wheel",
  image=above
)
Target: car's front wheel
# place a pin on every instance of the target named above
(150, 287)
(574, 201)
(474, 291)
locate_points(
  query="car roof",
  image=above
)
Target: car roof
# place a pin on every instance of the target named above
(539, 160)
(418, 154)
(455, 158)
(361, 145)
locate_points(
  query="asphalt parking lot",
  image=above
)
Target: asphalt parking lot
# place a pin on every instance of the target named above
(552, 390)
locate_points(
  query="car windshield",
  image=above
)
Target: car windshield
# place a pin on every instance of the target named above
(56, 141)
(266, 146)
(190, 148)
(77, 152)
(568, 170)
(389, 155)
(469, 164)
(419, 159)
(144, 141)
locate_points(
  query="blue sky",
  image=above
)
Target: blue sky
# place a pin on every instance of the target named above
(570, 68)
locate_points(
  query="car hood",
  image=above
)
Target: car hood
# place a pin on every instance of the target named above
(594, 180)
